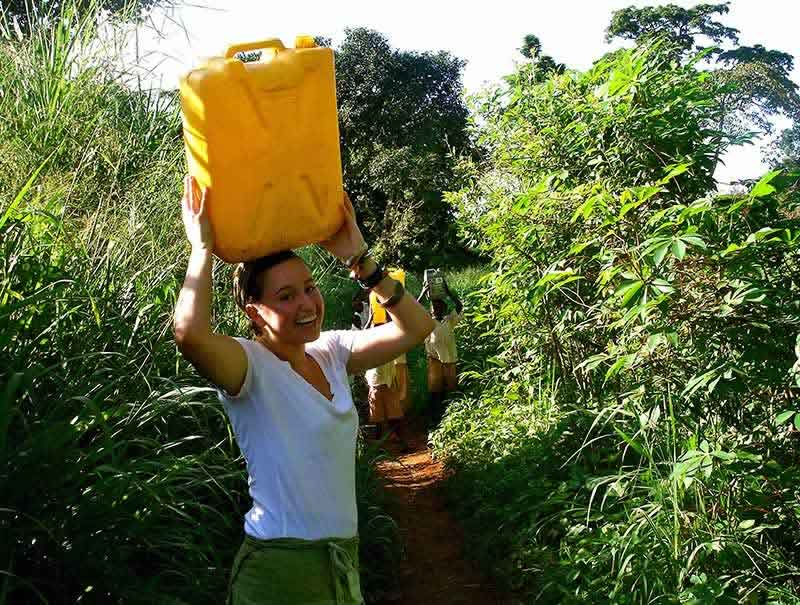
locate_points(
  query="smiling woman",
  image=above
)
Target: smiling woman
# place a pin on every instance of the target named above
(289, 402)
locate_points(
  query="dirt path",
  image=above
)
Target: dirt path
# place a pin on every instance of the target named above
(434, 570)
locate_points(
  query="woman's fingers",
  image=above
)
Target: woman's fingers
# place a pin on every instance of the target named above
(348, 206)
(194, 198)
(203, 200)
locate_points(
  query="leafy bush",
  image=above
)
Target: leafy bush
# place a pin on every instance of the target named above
(624, 448)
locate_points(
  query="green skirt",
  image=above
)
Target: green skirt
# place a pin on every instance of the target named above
(290, 571)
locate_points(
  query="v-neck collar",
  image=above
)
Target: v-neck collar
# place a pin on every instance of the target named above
(301, 379)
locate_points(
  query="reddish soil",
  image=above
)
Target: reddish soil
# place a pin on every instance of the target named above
(434, 569)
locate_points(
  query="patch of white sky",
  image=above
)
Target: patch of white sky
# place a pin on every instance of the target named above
(486, 35)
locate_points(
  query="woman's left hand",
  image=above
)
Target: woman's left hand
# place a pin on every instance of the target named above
(347, 241)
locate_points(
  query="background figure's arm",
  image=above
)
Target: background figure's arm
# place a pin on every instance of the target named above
(455, 299)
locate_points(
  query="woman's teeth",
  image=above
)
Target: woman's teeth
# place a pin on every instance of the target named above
(307, 320)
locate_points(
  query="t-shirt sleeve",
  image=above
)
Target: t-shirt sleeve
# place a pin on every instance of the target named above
(340, 346)
(249, 377)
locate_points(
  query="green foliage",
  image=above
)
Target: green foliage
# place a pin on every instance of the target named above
(402, 116)
(624, 446)
(120, 481)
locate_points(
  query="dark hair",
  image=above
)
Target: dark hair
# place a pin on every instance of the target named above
(246, 285)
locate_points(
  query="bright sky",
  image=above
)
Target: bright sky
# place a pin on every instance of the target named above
(486, 35)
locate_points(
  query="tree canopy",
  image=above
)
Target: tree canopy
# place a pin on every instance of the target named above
(759, 84)
(402, 119)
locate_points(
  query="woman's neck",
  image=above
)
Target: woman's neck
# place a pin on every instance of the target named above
(295, 354)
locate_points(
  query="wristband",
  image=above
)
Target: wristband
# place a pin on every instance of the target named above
(373, 279)
(399, 292)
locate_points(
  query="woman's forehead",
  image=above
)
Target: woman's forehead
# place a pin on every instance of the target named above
(292, 272)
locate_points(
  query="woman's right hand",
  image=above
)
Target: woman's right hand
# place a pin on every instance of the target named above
(195, 215)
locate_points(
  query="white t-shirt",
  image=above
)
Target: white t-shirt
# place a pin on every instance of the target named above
(441, 343)
(299, 447)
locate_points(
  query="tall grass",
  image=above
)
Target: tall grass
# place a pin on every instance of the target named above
(120, 481)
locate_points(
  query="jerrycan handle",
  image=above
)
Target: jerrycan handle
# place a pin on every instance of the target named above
(245, 46)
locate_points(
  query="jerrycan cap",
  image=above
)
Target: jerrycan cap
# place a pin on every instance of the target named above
(305, 41)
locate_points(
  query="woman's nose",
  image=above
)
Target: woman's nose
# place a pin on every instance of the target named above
(307, 302)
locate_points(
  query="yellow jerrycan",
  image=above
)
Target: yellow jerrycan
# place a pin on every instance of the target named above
(378, 312)
(264, 136)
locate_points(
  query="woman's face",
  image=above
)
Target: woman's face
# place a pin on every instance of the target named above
(291, 308)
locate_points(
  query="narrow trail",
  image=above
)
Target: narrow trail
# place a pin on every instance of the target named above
(435, 569)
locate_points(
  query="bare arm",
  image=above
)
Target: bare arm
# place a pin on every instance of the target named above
(456, 301)
(410, 323)
(217, 357)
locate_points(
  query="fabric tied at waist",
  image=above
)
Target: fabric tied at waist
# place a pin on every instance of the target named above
(345, 574)
(289, 566)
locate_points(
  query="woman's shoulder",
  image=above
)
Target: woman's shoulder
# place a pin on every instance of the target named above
(335, 344)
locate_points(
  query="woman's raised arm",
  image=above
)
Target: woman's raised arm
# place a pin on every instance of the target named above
(410, 321)
(217, 357)
(410, 325)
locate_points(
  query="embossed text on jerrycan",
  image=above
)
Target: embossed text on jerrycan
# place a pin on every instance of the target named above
(378, 312)
(264, 136)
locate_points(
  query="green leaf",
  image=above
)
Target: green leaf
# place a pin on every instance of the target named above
(679, 249)
(784, 416)
(762, 187)
(619, 364)
(585, 209)
(660, 252)
(674, 171)
(25, 188)
(747, 524)
(629, 290)
(695, 241)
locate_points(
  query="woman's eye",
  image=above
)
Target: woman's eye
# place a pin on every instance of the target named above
(286, 297)
(310, 289)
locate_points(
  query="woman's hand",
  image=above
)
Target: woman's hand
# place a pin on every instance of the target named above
(347, 241)
(195, 215)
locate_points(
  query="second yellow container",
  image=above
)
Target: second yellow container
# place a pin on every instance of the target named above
(378, 312)
(264, 136)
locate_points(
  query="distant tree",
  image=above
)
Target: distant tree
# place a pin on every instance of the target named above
(760, 83)
(545, 65)
(402, 119)
(785, 151)
(681, 26)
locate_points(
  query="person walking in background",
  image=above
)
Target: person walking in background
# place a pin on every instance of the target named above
(286, 393)
(385, 402)
(440, 347)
